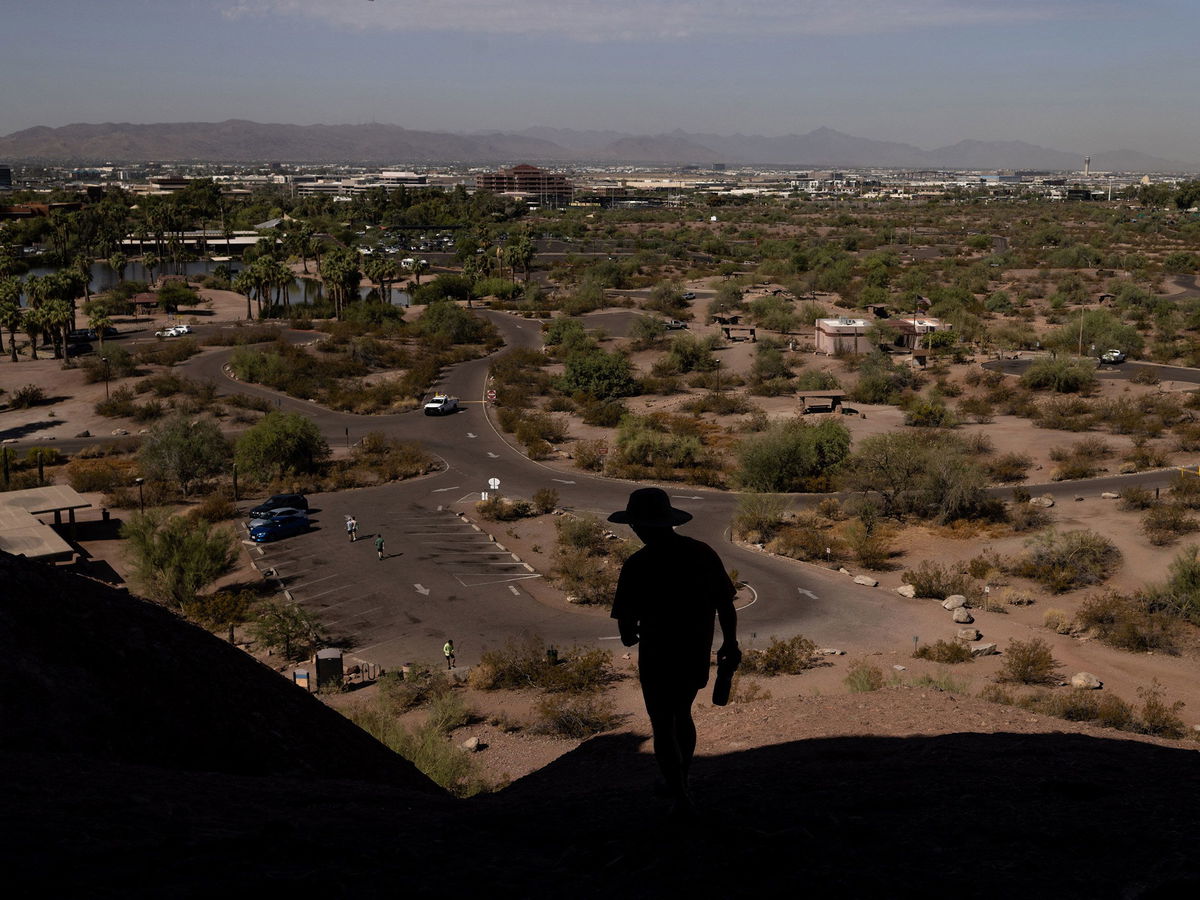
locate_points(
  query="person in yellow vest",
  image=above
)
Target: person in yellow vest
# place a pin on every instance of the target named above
(449, 651)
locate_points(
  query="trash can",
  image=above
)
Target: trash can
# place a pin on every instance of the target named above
(329, 666)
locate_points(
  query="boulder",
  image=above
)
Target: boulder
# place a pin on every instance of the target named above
(954, 601)
(831, 651)
(1086, 681)
(84, 433)
(969, 634)
(984, 650)
(1045, 501)
(906, 590)
(472, 745)
(1110, 495)
(842, 570)
(1127, 468)
(866, 581)
(962, 616)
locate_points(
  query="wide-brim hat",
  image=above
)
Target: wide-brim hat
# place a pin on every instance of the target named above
(650, 507)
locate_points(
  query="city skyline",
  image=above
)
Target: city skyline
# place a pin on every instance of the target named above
(1066, 74)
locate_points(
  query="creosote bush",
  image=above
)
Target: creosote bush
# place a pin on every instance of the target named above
(1029, 662)
(575, 717)
(940, 651)
(781, 657)
(525, 663)
(1072, 559)
(931, 579)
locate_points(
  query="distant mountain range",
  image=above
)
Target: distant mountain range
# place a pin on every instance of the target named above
(238, 140)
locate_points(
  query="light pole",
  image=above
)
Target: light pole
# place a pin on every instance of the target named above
(141, 497)
(104, 359)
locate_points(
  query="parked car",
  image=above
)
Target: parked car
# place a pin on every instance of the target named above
(284, 523)
(282, 512)
(183, 329)
(674, 324)
(168, 332)
(1112, 356)
(689, 295)
(279, 501)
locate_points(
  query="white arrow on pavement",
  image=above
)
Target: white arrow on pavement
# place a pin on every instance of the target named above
(492, 455)
(470, 435)
(421, 589)
(806, 593)
(681, 497)
(439, 490)
(562, 481)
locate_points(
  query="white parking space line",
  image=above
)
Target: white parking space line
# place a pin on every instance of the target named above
(334, 590)
(314, 581)
(354, 616)
(501, 579)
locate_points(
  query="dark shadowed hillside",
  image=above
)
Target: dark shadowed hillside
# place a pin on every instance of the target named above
(142, 757)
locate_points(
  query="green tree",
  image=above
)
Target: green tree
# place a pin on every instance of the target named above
(183, 450)
(288, 629)
(176, 557)
(281, 443)
(10, 311)
(792, 456)
(602, 375)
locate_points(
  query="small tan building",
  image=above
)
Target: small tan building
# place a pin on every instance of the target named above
(842, 335)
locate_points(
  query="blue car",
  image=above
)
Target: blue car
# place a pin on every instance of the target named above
(293, 521)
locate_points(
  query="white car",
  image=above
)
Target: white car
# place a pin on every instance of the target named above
(173, 331)
(1112, 356)
(441, 405)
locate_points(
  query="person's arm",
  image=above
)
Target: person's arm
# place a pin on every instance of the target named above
(727, 617)
(629, 631)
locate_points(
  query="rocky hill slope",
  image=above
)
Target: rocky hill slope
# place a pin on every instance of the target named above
(142, 756)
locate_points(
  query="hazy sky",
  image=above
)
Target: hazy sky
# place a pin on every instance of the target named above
(1079, 75)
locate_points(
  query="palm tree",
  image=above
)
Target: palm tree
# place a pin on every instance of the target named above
(243, 283)
(56, 317)
(117, 262)
(150, 263)
(10, 311)
(419, 267)
(32, 322)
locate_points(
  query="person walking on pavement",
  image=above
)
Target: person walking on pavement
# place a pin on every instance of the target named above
(352, 528)
(379, 545)
(449, 651)
(667, 596)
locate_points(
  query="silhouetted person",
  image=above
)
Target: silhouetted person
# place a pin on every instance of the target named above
(667, 597)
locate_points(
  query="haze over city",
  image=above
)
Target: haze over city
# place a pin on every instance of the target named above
(1067, 74)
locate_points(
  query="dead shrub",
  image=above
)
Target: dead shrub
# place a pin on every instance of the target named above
(781, 657)
(940, 651)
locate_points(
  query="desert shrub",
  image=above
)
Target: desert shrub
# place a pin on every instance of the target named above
(26, 397)
(793, 455)
(925, 412)
(426, 748)
(931, 579)
(100, 474)
(545, 500)
(717, 403)
(501, 509)
(581, 533)
(1166, 522)
(221, 608)
(527, 663)
(1023, 517)
(590, 455)
(1008, 467)
(585, 578)
(940, 651)
(216, 508)
(1159, 717)
(781, 657)
(1059, 375)
(1136, 497)
(977, 409)
(1133, 623)
(808, 538)
(1072, 559)
(871, 544)
(119, 404)
(863, 677)
(420, 685)
(758, 516)
(1058, 621)
(1113, 712)
(575, 717)
(448, 711)
(1029, 662)
(604, 413)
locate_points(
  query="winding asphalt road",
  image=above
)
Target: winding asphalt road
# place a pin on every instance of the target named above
(443, 578)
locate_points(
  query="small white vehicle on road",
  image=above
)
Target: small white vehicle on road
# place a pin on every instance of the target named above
(441, 405)
(173, 331)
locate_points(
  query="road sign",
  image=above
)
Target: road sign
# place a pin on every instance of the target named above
(494, 484)
(491, 395)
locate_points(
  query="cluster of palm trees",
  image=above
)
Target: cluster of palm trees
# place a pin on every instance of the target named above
(50, 312)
